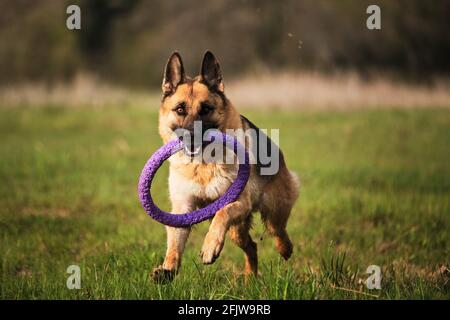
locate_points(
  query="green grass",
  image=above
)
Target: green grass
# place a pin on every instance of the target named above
(375, 190)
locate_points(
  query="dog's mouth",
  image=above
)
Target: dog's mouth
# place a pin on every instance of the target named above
(192, 144)
(192, 150)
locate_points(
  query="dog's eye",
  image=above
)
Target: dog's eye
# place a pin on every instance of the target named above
(180, 109)
(205, 109)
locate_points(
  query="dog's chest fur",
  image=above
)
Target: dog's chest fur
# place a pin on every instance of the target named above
(201, 183)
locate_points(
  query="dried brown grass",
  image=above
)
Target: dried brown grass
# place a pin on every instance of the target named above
(343, 91)
(346, 91)
(84, 91)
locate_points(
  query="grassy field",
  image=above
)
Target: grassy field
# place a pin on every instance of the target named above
(375, 190)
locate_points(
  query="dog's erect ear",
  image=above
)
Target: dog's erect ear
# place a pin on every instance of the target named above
(173, 74)
(210, 73)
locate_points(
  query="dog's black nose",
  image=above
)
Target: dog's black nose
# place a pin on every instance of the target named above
(207, 126)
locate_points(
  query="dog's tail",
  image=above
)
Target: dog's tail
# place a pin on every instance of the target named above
(296, 182)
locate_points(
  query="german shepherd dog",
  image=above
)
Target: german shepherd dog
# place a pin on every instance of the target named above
(193, 185)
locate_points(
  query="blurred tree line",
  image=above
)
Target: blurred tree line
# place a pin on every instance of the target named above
(128, 41)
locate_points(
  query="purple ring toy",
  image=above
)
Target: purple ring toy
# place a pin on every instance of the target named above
(194, 217)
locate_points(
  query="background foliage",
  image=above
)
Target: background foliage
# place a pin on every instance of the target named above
(128, 41)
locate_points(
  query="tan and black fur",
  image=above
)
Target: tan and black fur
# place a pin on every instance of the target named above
(194, 185)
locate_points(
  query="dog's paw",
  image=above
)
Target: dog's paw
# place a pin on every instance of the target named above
(285, 249)
(163, 276)
(286, 254)
(211, 250)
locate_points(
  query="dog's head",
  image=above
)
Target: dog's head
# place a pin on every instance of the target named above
(187, 100)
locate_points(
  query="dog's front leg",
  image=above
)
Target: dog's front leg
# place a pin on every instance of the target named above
(224, 218)
(176, 241)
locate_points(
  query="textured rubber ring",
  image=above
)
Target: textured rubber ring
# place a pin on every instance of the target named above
(197, 216)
